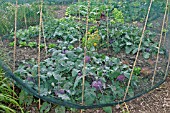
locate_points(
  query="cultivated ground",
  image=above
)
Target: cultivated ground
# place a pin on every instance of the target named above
(156, 101)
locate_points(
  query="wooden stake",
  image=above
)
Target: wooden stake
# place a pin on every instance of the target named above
(15, 40)
(39, 51)
(85, 51)
(45, 43)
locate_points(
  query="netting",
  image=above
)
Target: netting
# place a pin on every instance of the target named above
(86, 54)
(45, 1)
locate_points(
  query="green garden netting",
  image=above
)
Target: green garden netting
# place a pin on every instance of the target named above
(98, 41)
(45, 1)
(31, 91)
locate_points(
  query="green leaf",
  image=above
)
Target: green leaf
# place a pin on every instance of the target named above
(105, 99)
(128, 43)
(63, 96)
(57, 76)
(49, 73)
(108, 109)
(114, 74)
(89, 96)
(135, 50)
(127, 37)
(131, 92)
(7, 109)
(146, 55)
(71, 55)
(71, 47)
(24, 98)
(128, 49)
(79, 50)
(9, 99)
(107, 58)
(45, 107)
(60, 109)
(43, 91)
(73, 41)
(67, 85)
(77, 81)
(146, 43)
(127, 74)
(75, 72)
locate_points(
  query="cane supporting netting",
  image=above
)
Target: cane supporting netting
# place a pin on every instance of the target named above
(86, 54)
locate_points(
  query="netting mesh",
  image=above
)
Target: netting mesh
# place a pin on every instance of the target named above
(94, 53)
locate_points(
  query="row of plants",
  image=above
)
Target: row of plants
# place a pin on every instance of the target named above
(32, 44)
(65, 28)
(127, 38)
(132, 10)
(119, 36)
(124, 38)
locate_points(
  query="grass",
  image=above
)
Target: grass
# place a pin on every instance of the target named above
(6, 98)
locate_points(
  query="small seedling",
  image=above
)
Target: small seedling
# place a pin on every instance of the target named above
(11, 44)
(22, 44)
(51, 46)
(42, 46)
(32, 44)
(137, 70)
